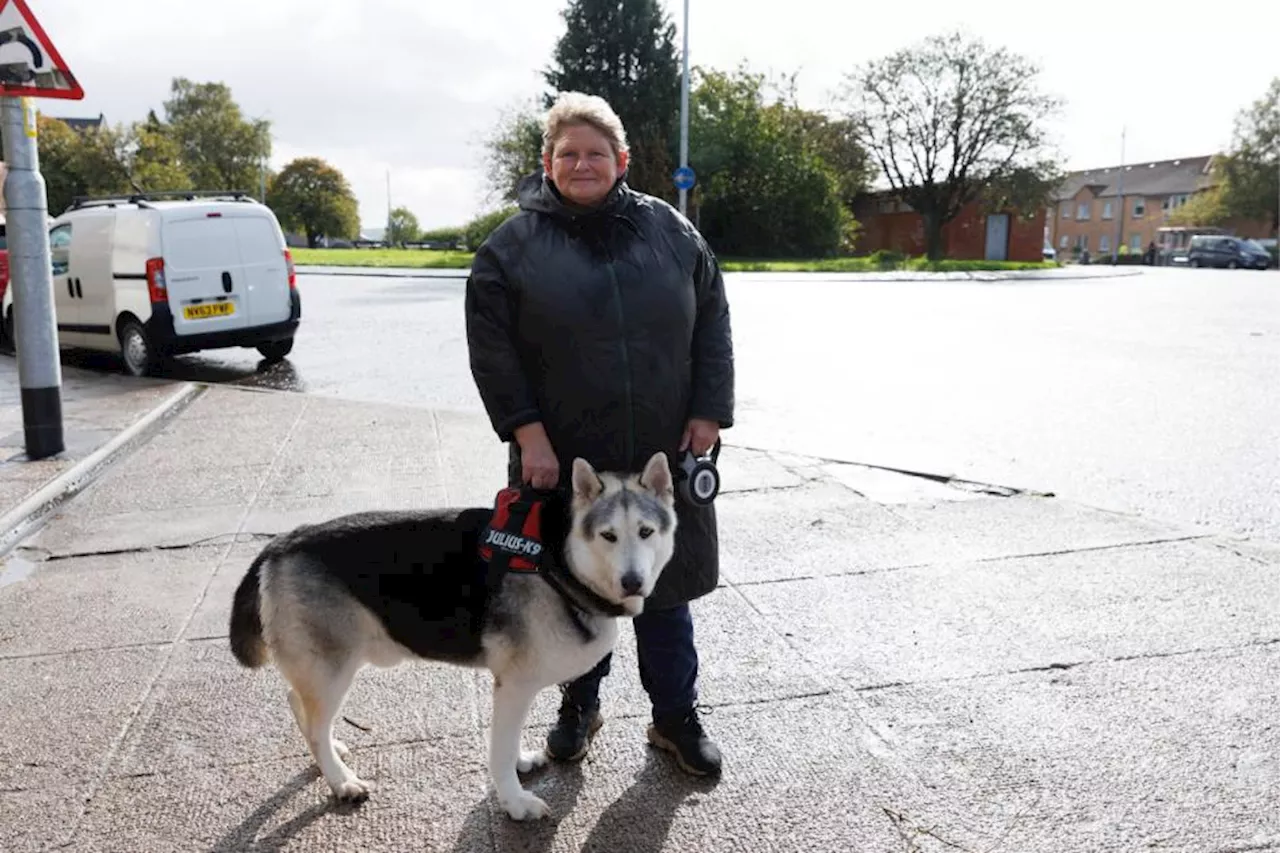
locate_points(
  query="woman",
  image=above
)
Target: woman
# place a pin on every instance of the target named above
(598, 327)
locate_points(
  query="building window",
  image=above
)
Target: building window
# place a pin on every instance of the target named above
(1062, 244)
(1139, 207)
(1104, 244)
(1082, 210)
(1173, 202)
(1066, 211)
(1106, 211)
(1082, 242)
(1135, 242)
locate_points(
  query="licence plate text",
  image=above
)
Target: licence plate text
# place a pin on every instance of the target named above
(208, 309)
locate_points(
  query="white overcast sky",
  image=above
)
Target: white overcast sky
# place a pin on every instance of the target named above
(412, 86)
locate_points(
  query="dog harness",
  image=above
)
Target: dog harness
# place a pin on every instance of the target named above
(516, 541)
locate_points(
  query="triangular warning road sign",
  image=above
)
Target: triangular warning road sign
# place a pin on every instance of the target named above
(29, 63)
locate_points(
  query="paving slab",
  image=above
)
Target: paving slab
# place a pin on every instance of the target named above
(958, 620)
(104, 601)
(426, 795)
(1178, 753)
(46, 697)
(208, 711)
(829, 529)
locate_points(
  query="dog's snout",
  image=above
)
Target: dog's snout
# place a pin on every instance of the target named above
(632, 583)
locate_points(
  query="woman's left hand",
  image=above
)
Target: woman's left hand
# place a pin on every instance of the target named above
(701, 434)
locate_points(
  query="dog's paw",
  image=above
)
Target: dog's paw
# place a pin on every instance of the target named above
(525, 806)
(341, 748)
(531, 760)
(353, 791)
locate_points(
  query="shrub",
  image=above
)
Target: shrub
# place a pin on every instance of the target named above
(478, 229)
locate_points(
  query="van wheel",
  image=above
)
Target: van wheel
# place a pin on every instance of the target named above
(136, 350)
(8, 343)
(274, 351)
(1231, 265)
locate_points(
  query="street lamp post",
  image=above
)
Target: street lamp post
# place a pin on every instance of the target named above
(684, 110)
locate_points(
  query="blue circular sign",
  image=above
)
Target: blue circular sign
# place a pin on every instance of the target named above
(684, 178)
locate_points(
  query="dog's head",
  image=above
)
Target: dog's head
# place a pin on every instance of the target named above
(623, 530)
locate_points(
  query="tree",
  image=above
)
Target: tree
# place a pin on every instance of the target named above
(764, 189)
(624, 51)
(514, 151)
(404, 227)
(1251, 172)
(60, 148)
(313, 197)
(946, 119)
(220, 148)
(1207, 207)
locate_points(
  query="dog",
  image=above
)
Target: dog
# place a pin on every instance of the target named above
(384, 587)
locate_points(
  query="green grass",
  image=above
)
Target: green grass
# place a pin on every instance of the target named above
(406, 258)
(434, 259)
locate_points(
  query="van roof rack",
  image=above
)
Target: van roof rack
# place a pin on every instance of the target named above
(141, 199)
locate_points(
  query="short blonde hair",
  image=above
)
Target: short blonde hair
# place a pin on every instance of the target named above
(577, 108)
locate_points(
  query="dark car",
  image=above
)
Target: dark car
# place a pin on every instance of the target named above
(1216, 250)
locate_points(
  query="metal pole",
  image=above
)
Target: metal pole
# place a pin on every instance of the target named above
(1120, 189)
(35, 329)
(684, 110)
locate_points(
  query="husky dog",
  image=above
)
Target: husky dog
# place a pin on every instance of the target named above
(382, 587)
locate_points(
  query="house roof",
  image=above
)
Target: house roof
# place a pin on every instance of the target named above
(81, 123)
(1159, 178)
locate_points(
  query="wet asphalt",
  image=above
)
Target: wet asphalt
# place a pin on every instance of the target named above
(1152, 394)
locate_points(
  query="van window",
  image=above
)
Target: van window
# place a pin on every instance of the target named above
(60, 249)
(258, 240)
(200, 244)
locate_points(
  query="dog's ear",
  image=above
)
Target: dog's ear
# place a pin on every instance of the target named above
(586, 482)
(657, 475)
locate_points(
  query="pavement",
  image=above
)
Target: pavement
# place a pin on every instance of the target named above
(891, 663)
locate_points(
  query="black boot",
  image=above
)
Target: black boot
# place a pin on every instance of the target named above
(573, 731)
(683, 736)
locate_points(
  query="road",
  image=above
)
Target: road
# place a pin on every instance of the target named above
(1152, 394)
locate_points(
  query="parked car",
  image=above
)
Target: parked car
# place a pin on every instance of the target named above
(156, 275)
(1216, 250)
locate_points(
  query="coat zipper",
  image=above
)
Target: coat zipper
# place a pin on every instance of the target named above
(626, 358)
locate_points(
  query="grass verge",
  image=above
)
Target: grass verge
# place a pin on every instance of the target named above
(434, 259)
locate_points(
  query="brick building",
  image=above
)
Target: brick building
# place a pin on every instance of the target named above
(1095, 208)
(890, 224)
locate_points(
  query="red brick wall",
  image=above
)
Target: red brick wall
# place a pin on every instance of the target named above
(963, 238)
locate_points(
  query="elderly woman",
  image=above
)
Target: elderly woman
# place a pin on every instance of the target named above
(598, 327)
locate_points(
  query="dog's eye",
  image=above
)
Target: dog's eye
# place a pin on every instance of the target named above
(609, 536)
(646, 532)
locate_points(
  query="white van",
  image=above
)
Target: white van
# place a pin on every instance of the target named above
(154, 275)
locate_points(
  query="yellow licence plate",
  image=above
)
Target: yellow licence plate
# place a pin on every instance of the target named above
(208, 309)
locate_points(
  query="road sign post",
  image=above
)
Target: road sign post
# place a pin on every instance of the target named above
(30, 66)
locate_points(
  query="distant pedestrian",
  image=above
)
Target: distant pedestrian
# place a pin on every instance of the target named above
(598, 326)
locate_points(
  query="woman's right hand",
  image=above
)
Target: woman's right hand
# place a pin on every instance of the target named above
(539, 466)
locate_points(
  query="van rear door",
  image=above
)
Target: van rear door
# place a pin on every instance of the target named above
(203, 272)
(263, 264)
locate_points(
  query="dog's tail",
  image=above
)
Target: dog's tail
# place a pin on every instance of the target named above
(246, 618)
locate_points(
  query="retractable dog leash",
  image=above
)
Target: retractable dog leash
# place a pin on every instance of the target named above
(697, 477)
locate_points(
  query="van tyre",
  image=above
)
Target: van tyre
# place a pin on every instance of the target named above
(8, 343)
(274, 351)
(136, 350)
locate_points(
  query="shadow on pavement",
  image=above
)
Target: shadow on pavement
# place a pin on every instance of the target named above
(243, 837)
(645, 811)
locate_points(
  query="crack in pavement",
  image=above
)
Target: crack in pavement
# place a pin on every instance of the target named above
(1065, 665)
(43, 555)
(999, 558)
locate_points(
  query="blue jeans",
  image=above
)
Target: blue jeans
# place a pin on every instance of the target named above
(668, 664)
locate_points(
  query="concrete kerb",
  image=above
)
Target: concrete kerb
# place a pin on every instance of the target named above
(1063, 274)
(28, 516)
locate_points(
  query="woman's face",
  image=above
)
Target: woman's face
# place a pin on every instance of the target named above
(583, 166)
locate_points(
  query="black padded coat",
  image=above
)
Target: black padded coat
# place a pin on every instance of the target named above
(611, 327)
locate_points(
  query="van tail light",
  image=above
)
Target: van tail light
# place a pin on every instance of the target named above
(293, 274)
(155, 281)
